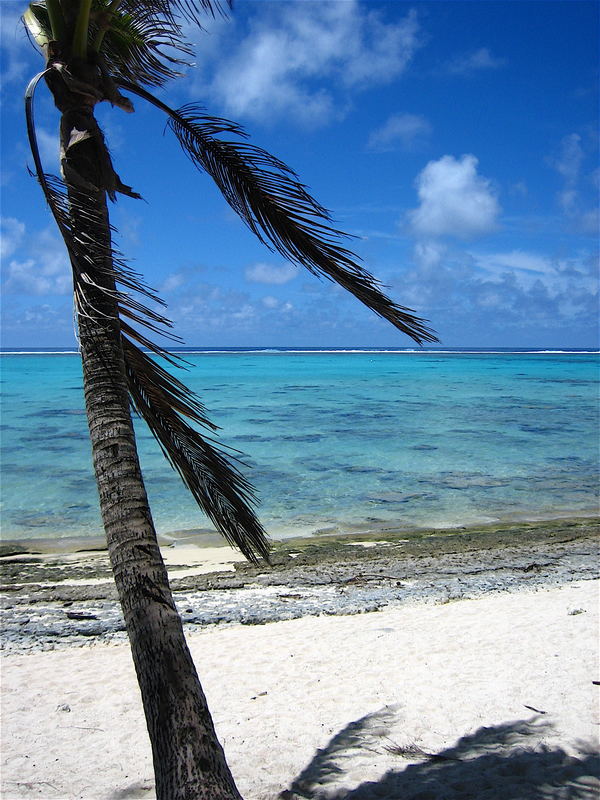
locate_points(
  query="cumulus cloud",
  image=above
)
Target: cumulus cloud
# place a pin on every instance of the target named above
(31, 277)
(56, 323)
(519, 189)
(404, 130)
(12, 232)
(274, 304)
(172, 282)
(429, 254)
(488, 295)
(517, 260)
(475, 61)
(589, 221)
(16, 49)
(268, 273)
(244, 314)
(570, 157)
(202, 306)
(48, 143)
(42, 268)
(279, 66)
(569, 163)
(455, 200)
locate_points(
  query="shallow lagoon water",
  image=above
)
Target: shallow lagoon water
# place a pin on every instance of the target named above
(339, 440)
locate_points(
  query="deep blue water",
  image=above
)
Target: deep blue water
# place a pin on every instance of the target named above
(332, 438)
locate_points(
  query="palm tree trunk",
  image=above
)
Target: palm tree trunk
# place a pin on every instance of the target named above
(189, 762)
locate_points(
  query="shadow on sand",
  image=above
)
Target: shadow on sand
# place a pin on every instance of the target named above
(494, 763)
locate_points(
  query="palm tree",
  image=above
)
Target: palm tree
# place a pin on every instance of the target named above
(93, 50)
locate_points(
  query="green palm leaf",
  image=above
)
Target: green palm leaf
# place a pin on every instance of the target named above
(136, 40)
(192, 10)
(134, 47)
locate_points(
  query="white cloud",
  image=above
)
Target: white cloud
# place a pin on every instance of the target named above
(473, 62)
(17, 51)
(571, 198)
(268, 273)
(527, 270)
(44, 270)
(244, 314)
(12, 232)
(278, 67)
(41, 315)
(486, 295)
(589, 221)
(429, 254)
(400, 129)
(516, 260)
(172, 282)
(49, 146)
(29, 277)
(455, 200)
(519, 189)
(206, 307)
(568, 199)
(571, 155)
(53, 323)
(272, 303)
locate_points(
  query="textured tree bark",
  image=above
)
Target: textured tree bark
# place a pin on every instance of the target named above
(189, 762)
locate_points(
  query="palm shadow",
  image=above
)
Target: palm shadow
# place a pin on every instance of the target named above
(494, 763)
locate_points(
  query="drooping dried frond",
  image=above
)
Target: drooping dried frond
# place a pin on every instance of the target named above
(37, 23)
(94, 262)
(278, 209)
(164, 402)
(217, 485)
(90, 254)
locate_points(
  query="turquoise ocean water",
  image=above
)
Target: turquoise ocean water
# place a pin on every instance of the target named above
(349, 440)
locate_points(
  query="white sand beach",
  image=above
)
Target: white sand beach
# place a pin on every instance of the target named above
(321, 706)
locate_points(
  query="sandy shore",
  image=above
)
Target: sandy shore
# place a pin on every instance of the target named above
(53, 600)
(441, 665)
(500, 688)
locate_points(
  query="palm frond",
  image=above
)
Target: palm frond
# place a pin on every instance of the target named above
(137, 44)
(217, 485)
(141, 40)
(192, 10)
(164, 402)
(89, 254)
(37, 24)
(279, 210)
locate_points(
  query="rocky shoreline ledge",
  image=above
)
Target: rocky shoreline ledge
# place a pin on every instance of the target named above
(59, 600)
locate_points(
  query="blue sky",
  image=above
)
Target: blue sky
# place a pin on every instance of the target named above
(457, 141)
